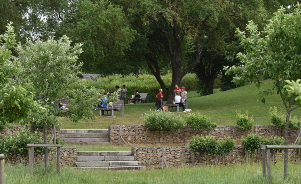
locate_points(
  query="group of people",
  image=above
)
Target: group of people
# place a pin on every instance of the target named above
(180, 97)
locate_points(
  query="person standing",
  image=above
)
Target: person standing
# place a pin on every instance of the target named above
(118, 91)
(123, 93)
(159, 97)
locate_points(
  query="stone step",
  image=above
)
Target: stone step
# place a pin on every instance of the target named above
(106, 163)
(84, 135)
(104, 153)
(104, 158)
(71, 140)
(112, 168)
(69, 131)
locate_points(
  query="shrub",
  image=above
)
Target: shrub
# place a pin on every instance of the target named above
(199, 122)
(17, 142)
(203, 145)
(278, 119)
(226, 146)
(159, 120)
(253, 141)
(209, 145)
(274, 141)
(244, 121)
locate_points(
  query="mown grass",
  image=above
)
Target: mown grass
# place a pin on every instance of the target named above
(236, 174)
(221, 107)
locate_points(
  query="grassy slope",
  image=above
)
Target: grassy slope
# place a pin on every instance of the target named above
(221, 107)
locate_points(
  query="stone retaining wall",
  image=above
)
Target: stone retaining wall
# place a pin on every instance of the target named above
(67, 156)
(165, 157)
(140, 135)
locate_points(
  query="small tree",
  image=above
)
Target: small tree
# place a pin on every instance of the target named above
(274, 53)
(16, 98)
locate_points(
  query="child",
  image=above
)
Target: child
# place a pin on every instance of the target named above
(183, 94)
(159, 96)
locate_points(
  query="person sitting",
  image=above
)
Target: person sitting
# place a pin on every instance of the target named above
(178, 100)
(62, 104)
(183, 95)
(137, 96)
(104, 102)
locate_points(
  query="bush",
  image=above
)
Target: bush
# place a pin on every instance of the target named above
(199, 122)
(160, 120)
(244, 121)
(226, 146)
(253, 141)
(274, 141)
(209, 145)
(203, 145)
(278, 119)
(17, 143)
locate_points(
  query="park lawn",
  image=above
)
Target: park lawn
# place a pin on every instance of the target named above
(221, 107)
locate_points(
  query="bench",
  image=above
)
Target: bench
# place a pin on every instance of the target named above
(173, 105)
(117, 106)
(144, 97)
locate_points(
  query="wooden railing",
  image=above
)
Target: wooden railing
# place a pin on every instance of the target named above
(2, 157)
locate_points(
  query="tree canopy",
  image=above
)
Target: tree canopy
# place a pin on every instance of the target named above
(274, 53)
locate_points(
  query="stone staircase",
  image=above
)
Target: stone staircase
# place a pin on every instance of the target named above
(85, 136)
(107, 160)
(98, 160)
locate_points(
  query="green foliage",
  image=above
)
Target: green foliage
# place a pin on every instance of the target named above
(199, 122)
(209, 145)
(203, 145)
(145, 83)
(17, 98)
(274, 141)
(253, 141)
(160, 120)
(226, 146)
(244, 121)
(105, 33)
(17, 142)
(51, 67)
(278, 119)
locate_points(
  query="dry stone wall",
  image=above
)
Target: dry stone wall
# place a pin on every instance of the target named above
(166, 157)
(141, 135)
(68, 155)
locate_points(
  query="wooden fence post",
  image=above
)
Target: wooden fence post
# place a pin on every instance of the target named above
(2, 157)
(264, 155)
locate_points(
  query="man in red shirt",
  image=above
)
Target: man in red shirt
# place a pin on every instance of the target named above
(160, 99)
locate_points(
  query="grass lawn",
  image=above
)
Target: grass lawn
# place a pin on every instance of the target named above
(237, 174)
(221, 107)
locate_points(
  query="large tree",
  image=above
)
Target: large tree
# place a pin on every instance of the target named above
(105, 33)
(177, 33)
(274, 53)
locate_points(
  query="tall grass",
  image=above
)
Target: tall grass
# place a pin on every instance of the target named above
(237, 174)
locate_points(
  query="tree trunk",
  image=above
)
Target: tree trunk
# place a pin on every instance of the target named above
(287, 122)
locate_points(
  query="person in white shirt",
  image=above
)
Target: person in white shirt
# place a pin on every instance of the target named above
(178, 100)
